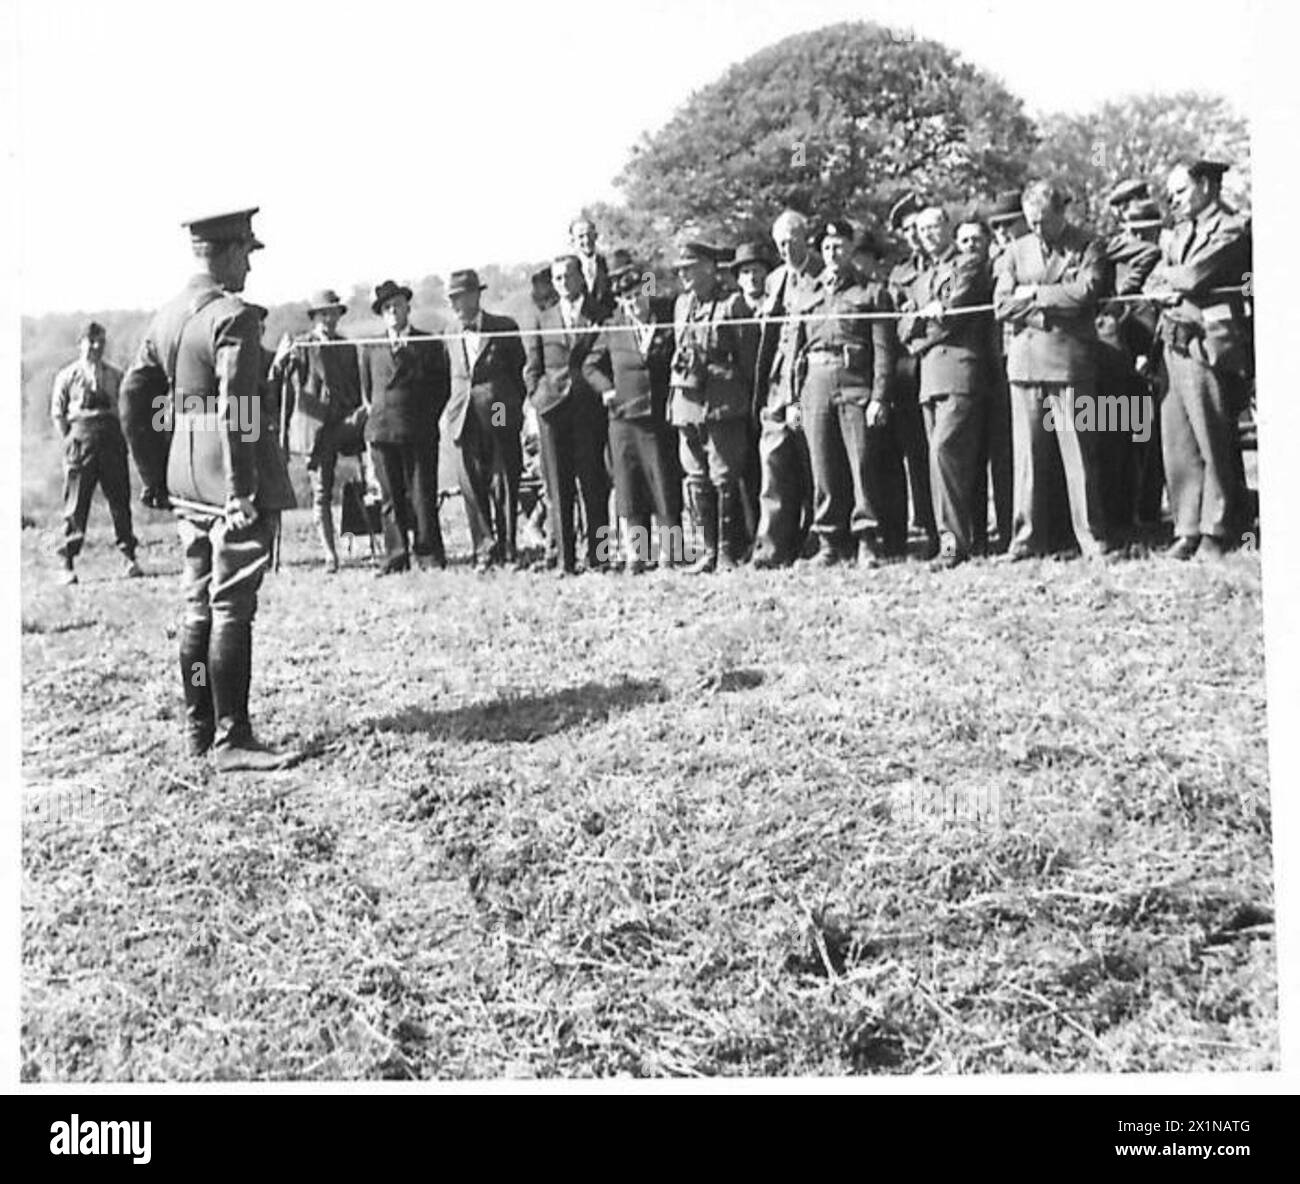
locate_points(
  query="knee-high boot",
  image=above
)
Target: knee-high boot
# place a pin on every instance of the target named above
(231, 653)
(196, 680)
(704, 505)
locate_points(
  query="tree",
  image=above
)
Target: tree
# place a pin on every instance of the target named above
(846, 118)
(1141, 136)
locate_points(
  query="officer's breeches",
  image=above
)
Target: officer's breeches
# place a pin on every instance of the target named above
(1199, 435)
(714, 452)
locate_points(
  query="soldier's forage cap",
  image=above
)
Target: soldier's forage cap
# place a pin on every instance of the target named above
(1140, 214)
(904, 207)
(754, 251)
(839, 228)
(385, 292)
(91, 329)
(234, 227)
(323, 301)
(463, 281)
(1005, 208)
(1212, 169)
(691, 252)
(1128, 191)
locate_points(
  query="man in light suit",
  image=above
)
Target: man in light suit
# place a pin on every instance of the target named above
(405, 384)
(1209, 358)
(484, 416)
(954, 375)
(1049, 282)
(571, 420)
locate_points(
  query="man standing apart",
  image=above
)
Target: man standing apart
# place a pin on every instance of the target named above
(194, 419)
(485, 417)
(405, 384)
(1208, 358)
(1047, 290)
(84, 410)
(595, 270)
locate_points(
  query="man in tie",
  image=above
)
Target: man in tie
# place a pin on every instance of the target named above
(595, 270)
(405, 384)
(485, 416)
(751, 265)
(571, 420)
(1047, 290)
(84, 410)
(1209, 358)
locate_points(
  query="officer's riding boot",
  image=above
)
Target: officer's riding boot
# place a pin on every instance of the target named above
(731, 527)
(235, 749)
(704, 505)
(196, 679)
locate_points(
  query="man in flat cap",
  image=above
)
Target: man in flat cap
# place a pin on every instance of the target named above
(571, 420)
(845, 399)
(785, 472)
(194, 419)
(953, 350)
(84, 409)
(907, 427)
(711, 405)
(485, 417)
(319, 384)
(405, 385)
(1047, 291)
(628, 367)
(1208, 357)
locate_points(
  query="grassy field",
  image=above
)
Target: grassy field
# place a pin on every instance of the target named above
(1004, 819)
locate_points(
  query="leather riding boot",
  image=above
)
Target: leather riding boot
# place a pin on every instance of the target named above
(731, 527)
(235, 749)
(196, 680)
(704, 505)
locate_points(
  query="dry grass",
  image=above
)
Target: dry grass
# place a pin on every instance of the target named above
(655, 826)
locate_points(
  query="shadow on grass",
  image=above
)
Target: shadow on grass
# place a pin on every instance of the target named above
(524, 718)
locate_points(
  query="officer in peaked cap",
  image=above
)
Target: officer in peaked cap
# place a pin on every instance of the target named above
(1127, 191)
(214, 460)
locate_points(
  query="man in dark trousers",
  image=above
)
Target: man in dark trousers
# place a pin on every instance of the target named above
(628, 367)
(485, 417)
(319, 385)
(194, 417)
(1209, 358)
(751, 265)
(84, 410)
(570, 417)
(405, 383)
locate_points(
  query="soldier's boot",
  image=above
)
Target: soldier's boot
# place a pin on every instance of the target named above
(234, 748)
(731, 527)
(704, 505)
(324, 516)
(196, 679)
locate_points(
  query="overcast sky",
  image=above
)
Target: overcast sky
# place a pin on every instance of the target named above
(406, 138)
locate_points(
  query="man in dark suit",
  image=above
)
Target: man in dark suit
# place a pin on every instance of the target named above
(954, 373)
(485, 416)
(405, 383)
(628, 366)
(570, 417)
(1047, 290)
(1209, 358)
(595, 269)
(751, 265)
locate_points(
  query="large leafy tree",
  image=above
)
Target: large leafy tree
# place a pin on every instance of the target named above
(1141, 136)
(844, 118)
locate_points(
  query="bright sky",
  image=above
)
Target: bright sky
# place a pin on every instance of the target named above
(413, 138)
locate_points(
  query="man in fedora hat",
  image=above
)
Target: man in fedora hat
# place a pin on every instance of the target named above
(711, 404)
(485, 416)
(84, 409)
(319, 383)
(571, 422)
(405, 384)
(193, 414)
(1208, 356)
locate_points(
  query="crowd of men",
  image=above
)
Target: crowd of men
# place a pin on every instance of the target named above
(802, 392)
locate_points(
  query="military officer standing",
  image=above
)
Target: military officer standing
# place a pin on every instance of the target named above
(194, 419)
(84, 410)
(710, 405)
(845, 399)
(1208, 357)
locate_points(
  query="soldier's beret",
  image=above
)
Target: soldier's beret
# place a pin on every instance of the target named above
(1005, 208)
(233, 227)
(1128, 191)
(385, 292)
(1140, 214)
(838, 227)
(905, 206)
